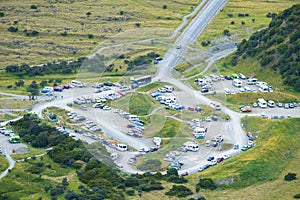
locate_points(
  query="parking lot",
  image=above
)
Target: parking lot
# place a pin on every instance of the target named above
(8, 148)
(115, 125)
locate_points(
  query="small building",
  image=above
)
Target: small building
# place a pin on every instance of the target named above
(140, 81)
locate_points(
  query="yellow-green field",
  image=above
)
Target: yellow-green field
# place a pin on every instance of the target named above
(69, 29)
(256, 9)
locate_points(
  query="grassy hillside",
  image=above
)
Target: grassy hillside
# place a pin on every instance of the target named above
(272, 54)
(37, 31)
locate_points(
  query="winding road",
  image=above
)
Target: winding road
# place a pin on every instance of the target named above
(173, 56)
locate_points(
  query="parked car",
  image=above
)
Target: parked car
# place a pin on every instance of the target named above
(242, 76)
(83, 107)
(271, 104)
(210, 158)
(279, 104)
(185, 174)
(236, 147)
(220, 159)
(245, 148)
(254, 105)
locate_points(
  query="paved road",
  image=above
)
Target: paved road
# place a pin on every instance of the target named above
(173, 57)
(11, 165)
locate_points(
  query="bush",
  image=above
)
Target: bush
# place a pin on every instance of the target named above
(205, 183)
(131, 182)
(13, 29)
(33, 7)
(179, 191)
(130, 192)
(297, 196)
(290, 176)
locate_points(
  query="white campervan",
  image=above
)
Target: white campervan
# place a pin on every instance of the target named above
(191, 146)
(262, 103)
(237, 83)
(132, 117)
(122, 147)
(252, 81)
(264, 88)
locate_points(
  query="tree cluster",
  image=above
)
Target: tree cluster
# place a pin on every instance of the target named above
(62, 67)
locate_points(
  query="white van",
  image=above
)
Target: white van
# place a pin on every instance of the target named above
(262, 103)
(247, 89)
(264, 88)
(122, 147)
(199, 130)
(252, 81)
(237, 83)
(169, 88)
(133, 117)
(191, 146)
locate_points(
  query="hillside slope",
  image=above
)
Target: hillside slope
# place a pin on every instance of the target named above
(276, 48)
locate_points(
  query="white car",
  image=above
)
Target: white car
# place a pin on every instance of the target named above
(106, 107)
(271, 104)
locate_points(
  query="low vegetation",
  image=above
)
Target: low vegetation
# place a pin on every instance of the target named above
(3, 163)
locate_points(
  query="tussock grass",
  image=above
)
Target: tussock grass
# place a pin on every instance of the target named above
(256, 9)
(105, 21)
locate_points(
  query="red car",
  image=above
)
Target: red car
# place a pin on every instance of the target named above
(191, 108)
(220, 160)
(184, 174)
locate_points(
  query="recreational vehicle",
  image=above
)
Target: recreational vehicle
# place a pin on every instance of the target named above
(237, 83)
(262, 103)
(199, 132)
(191, 146)
(122, 147)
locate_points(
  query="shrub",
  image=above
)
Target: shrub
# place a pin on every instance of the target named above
(226, 32)
(290, 176)
(179, 191)
(164, 6)
(131, 182)
(33, 7)
(2, 14)
(297, 196)
(39, 164)
(130, 192)
(13, 29)
(205, 183)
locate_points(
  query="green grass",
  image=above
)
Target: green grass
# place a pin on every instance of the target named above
(140, 104)
(236, 100)
(170, 128)
(22, 184)
(3, 163)
(150, 87)
(31, 152)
